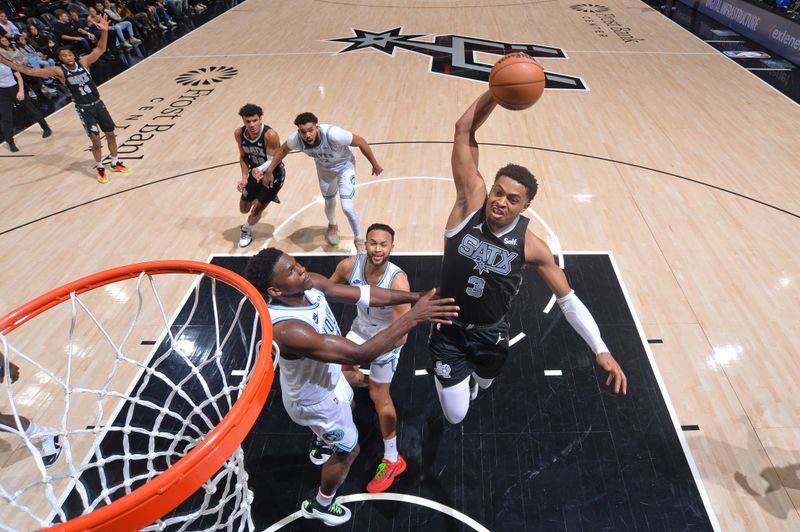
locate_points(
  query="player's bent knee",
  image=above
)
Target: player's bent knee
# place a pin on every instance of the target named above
(454, 400)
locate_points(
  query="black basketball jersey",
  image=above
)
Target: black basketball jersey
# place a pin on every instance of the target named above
(483, 272)
(256, 149)
(81, 85)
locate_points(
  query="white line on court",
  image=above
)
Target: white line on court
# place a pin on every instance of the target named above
(516, 339)
(399, 497)
(552, 373)
(772, 69)
(721, 40)
(262, 54)
(639, 52)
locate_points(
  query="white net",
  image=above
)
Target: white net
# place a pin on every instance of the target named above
(124, 401)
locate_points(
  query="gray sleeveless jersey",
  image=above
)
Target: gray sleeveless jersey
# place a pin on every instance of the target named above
(304, 380)
(372, 320)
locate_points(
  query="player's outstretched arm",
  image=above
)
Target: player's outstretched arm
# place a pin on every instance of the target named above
(297, 337)
(363, 145)
(89, 59)
(470, 186)
(371, 296)
(48, 72)
(343, 270)
(237, 135)
(400, 282)
(265, 170)
(538, 253)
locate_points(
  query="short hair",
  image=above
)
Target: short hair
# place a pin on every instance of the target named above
(59, 12)
(64, 49)
(521, 175)
(381, 227)
(260, 268)
(250, 109)
(305, 118)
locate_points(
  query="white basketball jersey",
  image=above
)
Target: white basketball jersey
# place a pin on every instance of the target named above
(372, 320)
(306, 381)
(333, 149)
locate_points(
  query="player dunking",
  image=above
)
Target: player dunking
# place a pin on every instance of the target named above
(329, 146)
(257, 143)
(374, 269)
(313, 390)
(487, 243)
(91, 109)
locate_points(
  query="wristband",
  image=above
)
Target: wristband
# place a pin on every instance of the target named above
(363, 301)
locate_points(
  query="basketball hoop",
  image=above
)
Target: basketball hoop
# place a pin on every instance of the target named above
(191, 449)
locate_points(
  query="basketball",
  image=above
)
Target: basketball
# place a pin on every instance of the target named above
(517, 81)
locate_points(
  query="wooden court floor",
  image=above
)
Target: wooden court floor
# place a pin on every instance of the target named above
(676, 160)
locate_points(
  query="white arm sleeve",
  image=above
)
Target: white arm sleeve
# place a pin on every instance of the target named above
(363, 301)
(582, 321)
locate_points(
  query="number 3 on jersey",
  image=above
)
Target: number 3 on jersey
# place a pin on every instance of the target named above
(475, 288)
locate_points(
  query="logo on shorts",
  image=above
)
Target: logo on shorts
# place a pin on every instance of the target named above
(206, 75)
(454, 55)
(333, 435)
(442, 370)
(315, 316)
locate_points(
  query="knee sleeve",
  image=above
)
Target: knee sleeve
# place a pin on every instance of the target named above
(349, 208)
(330, 210)
(454, 400)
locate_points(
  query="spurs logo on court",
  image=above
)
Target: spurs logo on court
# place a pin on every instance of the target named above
(206, 75)
(487, 257)
(590, 8)
(454, 55)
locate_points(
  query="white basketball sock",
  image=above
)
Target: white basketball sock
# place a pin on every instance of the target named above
(324, 500)
(390, 449)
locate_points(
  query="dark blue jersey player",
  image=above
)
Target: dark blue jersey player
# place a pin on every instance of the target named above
(487, 243)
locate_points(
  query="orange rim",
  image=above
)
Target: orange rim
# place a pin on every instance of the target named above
(170, 488)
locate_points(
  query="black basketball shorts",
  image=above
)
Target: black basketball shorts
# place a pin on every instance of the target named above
(458, 350)
(255, 190)
(95, 118)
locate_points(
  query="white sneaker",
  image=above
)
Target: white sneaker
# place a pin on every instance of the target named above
(333, 515)
(134, 41)
(126, 45)
(245, 237)
(51, 450)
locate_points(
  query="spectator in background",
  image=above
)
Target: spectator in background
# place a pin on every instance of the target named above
(82, 25)
(37, 39)
(7, 27)
(36, 59)
(68, 33)
(119, 28)
(145, 21)
(12, 90)
(10, 51)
